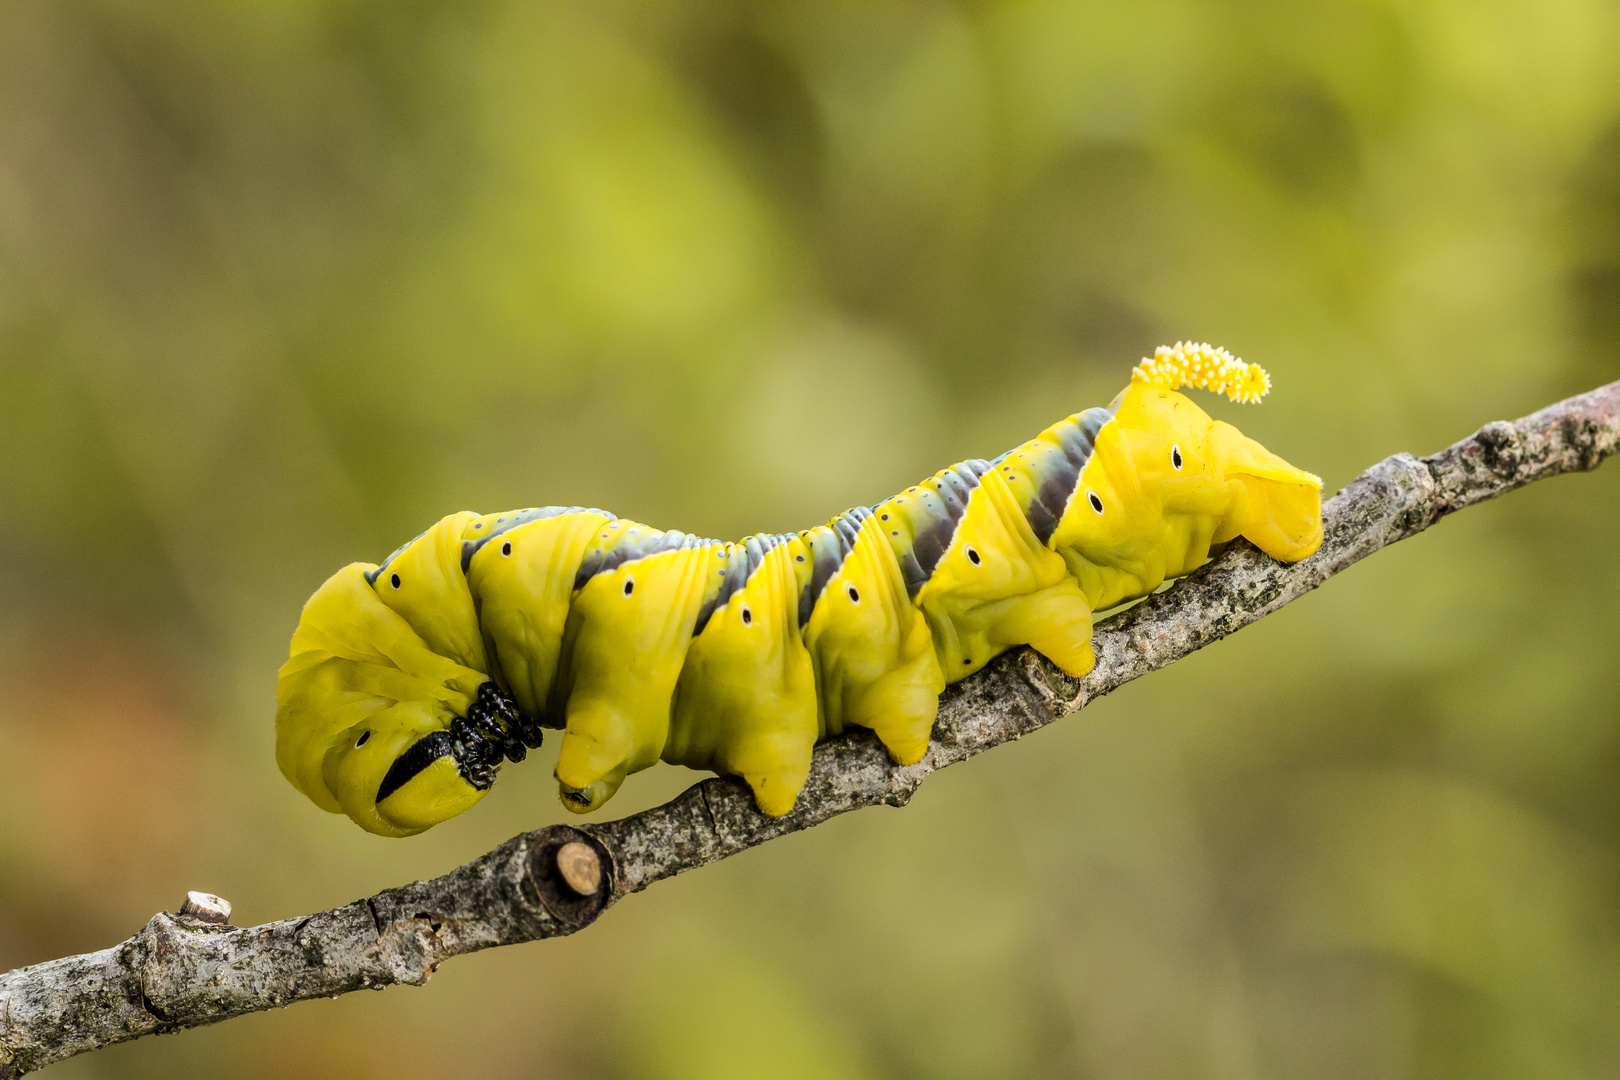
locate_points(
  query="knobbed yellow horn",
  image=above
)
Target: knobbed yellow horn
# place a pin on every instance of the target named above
(1202, 365)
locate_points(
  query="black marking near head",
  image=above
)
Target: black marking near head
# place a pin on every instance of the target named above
(506, 522)
(945, 501)
(1054, 468)
(424, 752)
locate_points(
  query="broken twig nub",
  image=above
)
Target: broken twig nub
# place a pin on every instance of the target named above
(580, 868)
(206, 908)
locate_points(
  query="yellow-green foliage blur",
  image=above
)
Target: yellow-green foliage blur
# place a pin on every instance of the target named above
(283, 282)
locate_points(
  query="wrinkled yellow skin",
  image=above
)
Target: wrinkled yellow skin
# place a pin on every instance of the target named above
(737, 658)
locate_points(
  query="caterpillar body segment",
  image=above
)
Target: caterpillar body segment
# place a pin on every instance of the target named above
(874, 656)
(410, 682)
(629, 627)
(425, 584)
(520, 570)
(996, 585)
(746, 700)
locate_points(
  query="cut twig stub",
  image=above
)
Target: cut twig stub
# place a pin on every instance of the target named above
(571, 874)
(205, 908)
(581, 870)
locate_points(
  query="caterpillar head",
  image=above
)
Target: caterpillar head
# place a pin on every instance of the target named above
(1195, 464)
(386, 663)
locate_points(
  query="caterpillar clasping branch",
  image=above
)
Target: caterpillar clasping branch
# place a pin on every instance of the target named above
(410, 682)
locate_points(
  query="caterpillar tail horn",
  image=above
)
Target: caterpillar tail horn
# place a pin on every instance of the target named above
(1205, 366)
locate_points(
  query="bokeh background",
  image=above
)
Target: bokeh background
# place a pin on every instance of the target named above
(283, 282)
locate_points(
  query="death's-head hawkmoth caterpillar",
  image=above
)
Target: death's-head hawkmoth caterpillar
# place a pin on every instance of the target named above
(410, 682)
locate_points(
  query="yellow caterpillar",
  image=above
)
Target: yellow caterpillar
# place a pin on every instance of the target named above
(409, 682)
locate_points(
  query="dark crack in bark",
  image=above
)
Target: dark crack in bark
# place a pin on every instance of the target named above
(174, 975)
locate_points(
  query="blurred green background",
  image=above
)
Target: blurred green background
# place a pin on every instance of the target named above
(283, 282)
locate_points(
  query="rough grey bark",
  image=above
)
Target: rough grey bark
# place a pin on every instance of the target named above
(182, 970)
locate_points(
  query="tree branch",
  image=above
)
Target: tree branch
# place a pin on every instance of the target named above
(182, 970)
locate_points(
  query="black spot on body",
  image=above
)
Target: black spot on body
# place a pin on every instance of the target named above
(507, 522)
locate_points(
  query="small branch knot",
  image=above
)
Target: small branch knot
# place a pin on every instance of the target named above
(1500, 447)
(1584, 434)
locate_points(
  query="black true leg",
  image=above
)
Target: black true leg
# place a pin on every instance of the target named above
(492, 730)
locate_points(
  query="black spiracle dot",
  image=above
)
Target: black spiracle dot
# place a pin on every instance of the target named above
(800, 558)
(1175, 456)
(748, 617)
(1096, 503)
(967, 660)
(506, 548)
(393, 579)
(854, 596)
(973, 557)
(629, 586)
(361, 741)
